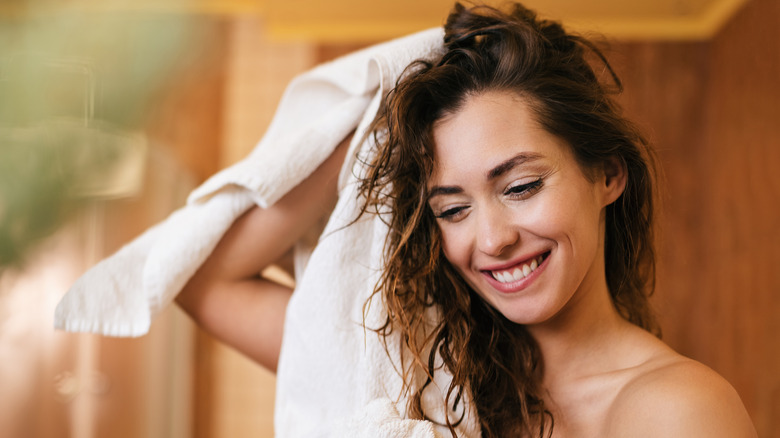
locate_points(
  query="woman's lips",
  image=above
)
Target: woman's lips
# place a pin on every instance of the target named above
(517, 276)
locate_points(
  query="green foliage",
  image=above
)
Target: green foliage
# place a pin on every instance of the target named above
(74, 83)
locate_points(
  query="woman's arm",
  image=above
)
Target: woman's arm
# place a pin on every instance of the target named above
(228, 298)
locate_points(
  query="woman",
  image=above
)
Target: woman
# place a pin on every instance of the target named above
(519, 258)
(522, 212)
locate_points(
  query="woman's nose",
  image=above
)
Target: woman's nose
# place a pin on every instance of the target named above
(495, 232)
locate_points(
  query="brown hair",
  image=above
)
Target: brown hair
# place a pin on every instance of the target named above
(495, 364)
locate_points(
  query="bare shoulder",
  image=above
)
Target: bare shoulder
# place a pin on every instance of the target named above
(673, 396)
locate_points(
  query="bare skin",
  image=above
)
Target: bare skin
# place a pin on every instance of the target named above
(509, 195)
(630, 384)
(228, 298)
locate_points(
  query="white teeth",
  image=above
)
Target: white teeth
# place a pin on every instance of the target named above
(507, 277)
(517, 273)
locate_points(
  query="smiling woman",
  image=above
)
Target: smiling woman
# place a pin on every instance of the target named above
(522, 213)
(517, 215)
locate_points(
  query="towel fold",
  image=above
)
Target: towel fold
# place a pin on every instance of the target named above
(380, 419)
(332, 371)
(121, 295)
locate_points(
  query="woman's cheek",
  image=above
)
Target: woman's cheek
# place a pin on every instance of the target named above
(455, 247)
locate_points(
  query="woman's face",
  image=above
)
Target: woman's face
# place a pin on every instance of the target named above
(519, 219)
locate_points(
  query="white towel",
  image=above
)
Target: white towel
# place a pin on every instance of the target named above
(380, 419)
(331, 368)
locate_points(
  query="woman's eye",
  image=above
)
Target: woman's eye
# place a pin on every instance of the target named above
(524, 190)
(451, 213)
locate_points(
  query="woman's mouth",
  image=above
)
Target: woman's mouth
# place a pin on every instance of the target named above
(519, 271)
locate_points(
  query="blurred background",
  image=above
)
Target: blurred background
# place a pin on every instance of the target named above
(111, 111)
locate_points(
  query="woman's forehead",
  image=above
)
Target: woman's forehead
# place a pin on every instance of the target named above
(487, 131)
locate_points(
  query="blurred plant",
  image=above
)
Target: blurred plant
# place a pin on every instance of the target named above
(75, 85)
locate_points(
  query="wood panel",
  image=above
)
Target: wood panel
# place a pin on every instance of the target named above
(241, 394)
(712, 110)
(188, 125)
(740, 239)
(187, 119)
(347, 21)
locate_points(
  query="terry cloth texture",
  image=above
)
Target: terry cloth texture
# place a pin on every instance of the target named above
(334, 374)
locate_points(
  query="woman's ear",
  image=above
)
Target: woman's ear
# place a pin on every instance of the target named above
(614, 182)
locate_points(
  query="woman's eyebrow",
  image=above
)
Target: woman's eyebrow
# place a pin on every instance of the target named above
(493, 173)
(511, 163)
(444, 190)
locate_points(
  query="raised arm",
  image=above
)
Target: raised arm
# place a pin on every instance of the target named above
(228, 298)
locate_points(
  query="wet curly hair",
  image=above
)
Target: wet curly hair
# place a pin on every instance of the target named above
(495, 364)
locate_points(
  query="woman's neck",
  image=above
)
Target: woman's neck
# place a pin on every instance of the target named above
(582, 339)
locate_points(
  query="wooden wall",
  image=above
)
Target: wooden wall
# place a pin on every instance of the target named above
(235, 396)
(713, 111)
